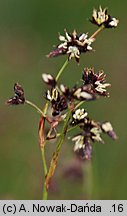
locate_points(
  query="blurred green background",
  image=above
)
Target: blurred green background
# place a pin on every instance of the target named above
(28, 30)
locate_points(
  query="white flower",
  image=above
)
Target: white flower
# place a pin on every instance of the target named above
(47, 77)
(84, 40)
(101, 87)
(68, 36)
(62, 88)
(73, 51)
(107, 127)
(79, 93)
(62, 38)
(63, 45)
(100, 16)
(73, 44)
(114, 22)
(83, 37)
(86, 95)
(80, 114)
(89, 41)
(53, 95)
(65, 40)
(96, 134)
(79, 141)
(48, 96)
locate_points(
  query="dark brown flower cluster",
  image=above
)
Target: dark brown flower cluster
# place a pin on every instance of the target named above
(100, 17)
(61, 96)
(91, 132)
(73, 45)
(18, 98)
(95, 82)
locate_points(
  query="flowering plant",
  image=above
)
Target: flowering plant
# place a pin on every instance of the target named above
(64, 103)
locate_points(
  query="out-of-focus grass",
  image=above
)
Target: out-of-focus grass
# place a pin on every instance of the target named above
(28, 29)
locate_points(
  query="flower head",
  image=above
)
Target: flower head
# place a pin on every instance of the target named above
(82, 147)
(18, 98)
(73, 45)
(113, 23)
(95, 82)
(107, 128)
(52, 95)
(78, 116)
(91, 132)
(60, 95)
(100, 17)
(83, 93)
(58, 102)
(49, 79)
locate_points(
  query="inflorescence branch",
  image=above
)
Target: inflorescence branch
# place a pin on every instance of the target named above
(63, 103)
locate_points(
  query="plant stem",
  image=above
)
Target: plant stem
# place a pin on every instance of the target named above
(57, 151)
(36, 107)
(58, 147)
(44, 163)
(46, 108)
(45, 192)
(42, 143)
(79, 104)
(88, 180)
(72, 128)
(97, 32)
(62, 69)
(49, 174)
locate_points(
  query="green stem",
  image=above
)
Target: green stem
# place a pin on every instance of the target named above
(46, 108)
(79, 104)
(58, 147)
(63, 134)
(57, 151)
(43, 113)
(44, 162)
(50, 172)
(62, 69)
(97, 32)
(71, 129)
(88, 180)
(35, 107)
(45, 192)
